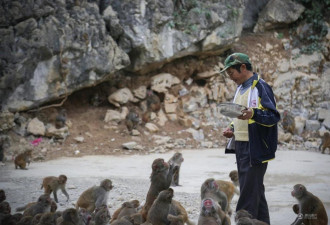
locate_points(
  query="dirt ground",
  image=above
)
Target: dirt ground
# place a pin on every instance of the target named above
(103, 139)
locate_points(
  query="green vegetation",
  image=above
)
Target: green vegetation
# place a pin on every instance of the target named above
(315, 13)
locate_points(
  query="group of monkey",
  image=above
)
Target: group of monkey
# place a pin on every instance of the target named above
(159, 208)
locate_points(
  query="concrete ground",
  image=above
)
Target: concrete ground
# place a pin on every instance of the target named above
(130, 176)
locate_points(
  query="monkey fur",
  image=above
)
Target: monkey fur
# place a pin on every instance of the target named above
(244, 217)
(95, 196)
(325, 142)
(41, 206)
(311, 209)
(53, 184)
(161, 178)
(23, 159)
(210, 189)
(126, 209)
(176, 161)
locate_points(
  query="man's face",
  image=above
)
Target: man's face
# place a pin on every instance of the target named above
(236, 76)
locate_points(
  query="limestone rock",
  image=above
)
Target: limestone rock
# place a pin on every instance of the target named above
(161, 82)
(120, 97)
(36, 127)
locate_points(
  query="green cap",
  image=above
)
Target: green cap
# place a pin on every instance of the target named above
(235, 59)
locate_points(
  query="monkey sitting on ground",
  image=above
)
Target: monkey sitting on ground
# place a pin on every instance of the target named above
(60, 119)
(22, 159)
(212, 214)
(26, 220)
(311, 208)
(48, 218)
(153, 101)
(244, 217)
(41, 206)
(325, 142)
(70, 217)
(176, 161)
(2, 195)
(102, 216)
(126, 209)
(53, 184)
(95, 196)
(229, 189)
(210, 189)
(165, 210)
(161, 178)
(132, 120)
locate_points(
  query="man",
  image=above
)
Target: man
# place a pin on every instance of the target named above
(253, 134)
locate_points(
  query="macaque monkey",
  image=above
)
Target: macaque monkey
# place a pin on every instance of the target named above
(95, 196)
(178, 214)
(5, 207)
(210, 189)
(26, 220)
(132, 120)
(2, 195)
(288, 122)
(102, 216)
(60, 119)
(53, 184)
(48, 218)
(176, 161)
(36, 218)
(153, 101)
(160, 208)
(325, 142)
(70, 217)
(244, 217)
(41, 206)
(209, 213)
(126, 209)
(234, 178)
(22, 159)
(165, 210)
(311, 208)
(161, 178)
(229, 189)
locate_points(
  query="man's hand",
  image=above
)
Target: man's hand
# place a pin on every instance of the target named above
(228, 133)
(246, 114)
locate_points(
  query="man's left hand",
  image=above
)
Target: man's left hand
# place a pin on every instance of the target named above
(246, 114)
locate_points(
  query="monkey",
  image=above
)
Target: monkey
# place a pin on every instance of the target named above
(288, 122)
(132, 120)
(161, 178)
(102, 216)
(36, 218)
(178, 214)
(48, 218)
(209, 213)
(325, 142)
(229, 189)
(53, 184)
(311, 208)
(244, 217)
(84, 216)
(176, 161)
(126, 209)
(160, 208)
(41, 206)
(153, 101)
(26, 220)
(17, 216)
(8, 219)
(234, 178)
(22, 159)
(5, 207)
(70, 217)
(2, 195)
(210, 189)
(95, 196)
(53, 206)
(60, 119)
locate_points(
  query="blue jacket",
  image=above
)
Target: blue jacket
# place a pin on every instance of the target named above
(263, 124)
